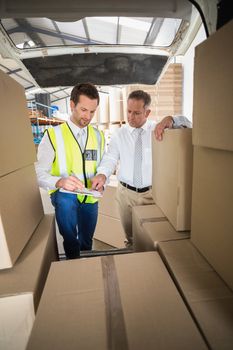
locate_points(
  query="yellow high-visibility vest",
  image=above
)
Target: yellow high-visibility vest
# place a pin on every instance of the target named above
(69, 159)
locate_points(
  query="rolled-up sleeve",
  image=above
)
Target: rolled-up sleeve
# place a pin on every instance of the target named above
(110, 158)
(181, 121)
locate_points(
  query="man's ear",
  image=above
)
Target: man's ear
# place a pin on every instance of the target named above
(72, 105)
(148, 112)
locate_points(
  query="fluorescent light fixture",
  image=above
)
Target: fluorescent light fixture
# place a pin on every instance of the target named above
(27, 44)
(31, 43)
(33, 91)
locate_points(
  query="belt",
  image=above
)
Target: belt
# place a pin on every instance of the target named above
(140, 190)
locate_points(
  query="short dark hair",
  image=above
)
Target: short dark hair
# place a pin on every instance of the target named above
(86, 89)
(141, 95)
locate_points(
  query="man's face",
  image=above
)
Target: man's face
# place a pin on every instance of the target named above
(83, 112)
(136, 113)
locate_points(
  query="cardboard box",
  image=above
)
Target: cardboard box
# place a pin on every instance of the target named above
(49, 209)
(212, 209)
(21, 286)
(108, 204)
(154, 232)
(213, 102)
(172, 176)
(110, 231)
(141, 214)
(16, 140)
(46, 202)
(208, 297)
(20, 212)
(113, 302)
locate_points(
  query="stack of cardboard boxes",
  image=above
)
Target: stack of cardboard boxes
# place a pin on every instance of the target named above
(202, 266)
(212, 207)
(27, 244)
(133, 301)
(126, 301)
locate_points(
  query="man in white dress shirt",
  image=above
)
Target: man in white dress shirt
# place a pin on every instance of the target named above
(135, 169)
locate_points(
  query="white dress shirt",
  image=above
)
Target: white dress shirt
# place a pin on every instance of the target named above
(121, 149)
(45, 157)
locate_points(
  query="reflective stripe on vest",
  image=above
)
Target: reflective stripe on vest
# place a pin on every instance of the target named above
(98, 136)
(61, 154)
(69, 160)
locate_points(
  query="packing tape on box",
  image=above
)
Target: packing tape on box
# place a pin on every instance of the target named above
(115, 323)
(143, 221)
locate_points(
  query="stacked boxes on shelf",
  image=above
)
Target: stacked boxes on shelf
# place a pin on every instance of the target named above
(27, 241)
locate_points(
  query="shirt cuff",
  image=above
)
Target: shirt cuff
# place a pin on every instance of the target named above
(103, 172)
(52, 183)
(181, 121)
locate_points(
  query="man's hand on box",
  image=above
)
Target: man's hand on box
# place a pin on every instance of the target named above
(165, 123)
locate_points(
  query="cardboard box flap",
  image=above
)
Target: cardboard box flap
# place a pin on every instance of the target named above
(147, 213)
(155, 232)
(16, 319)
(140, 215)
(20, 210)
(209, 298)
(76, 316)
(23, 277)
(110, 231)
(84, 310)
(107, 204)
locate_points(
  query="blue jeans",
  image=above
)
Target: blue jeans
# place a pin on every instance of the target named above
(76, 222)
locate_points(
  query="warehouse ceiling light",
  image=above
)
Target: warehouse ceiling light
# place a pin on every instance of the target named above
(33, 91)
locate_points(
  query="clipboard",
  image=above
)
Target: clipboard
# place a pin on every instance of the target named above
(85, 192)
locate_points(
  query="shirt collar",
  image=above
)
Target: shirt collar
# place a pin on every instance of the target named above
(74, 128)
(144, 127)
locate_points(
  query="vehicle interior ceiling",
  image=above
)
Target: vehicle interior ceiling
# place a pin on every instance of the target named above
(40, 48)
(106, 51)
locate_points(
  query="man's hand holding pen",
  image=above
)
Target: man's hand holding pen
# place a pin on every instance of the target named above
(98, 182)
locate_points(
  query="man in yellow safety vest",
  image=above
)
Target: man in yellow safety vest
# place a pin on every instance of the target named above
(68, 157)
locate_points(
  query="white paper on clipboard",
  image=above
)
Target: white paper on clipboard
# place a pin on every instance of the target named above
(84, 192)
